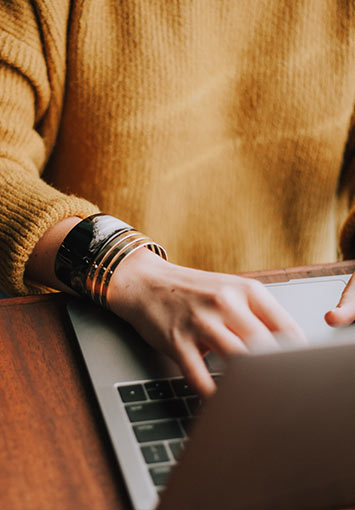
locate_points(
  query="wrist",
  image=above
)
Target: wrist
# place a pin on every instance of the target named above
(91, 252)
(127, 291)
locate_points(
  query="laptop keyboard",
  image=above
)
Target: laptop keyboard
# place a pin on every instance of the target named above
(161, 413)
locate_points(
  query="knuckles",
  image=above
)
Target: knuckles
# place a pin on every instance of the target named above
(223, 297)
(237, 289)
(253, 287)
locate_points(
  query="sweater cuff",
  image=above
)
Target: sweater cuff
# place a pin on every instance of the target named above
(24, 221)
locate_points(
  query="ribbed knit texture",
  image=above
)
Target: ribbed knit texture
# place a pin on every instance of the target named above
(218, 128)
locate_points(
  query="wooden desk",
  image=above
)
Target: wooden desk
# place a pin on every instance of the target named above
(54, 448)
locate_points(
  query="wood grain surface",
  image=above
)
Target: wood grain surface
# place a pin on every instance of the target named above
(284, 275)
(54, 448)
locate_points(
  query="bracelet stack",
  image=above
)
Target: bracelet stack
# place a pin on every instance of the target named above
(108, 258)
(93, 249)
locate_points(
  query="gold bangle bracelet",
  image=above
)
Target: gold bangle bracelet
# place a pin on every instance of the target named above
(111, 254)
(110, 243)
(128, 251)
(119, 248)
(104, 259)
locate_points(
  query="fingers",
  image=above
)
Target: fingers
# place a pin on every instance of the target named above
(221, 340)
(255, 335)
(195, 370)
(275, 318)
(249, 325)
(258, 317)
(344, 313)
(212, 336)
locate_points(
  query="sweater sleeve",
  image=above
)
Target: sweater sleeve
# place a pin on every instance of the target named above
(347, 233)
(28, 205)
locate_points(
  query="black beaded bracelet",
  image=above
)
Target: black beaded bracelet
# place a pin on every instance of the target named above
(81, 247)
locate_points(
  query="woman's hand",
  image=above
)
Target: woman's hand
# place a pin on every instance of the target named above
(182, 312)
(344, 313)
(186, 312)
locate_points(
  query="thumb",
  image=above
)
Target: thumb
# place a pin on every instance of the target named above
(344, 313)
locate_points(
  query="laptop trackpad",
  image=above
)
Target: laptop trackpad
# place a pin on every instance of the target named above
(308, 301)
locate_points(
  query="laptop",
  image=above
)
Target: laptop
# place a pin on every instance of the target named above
(150, 411)
(278, 435)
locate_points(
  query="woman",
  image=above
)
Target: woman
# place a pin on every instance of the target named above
(223, 130)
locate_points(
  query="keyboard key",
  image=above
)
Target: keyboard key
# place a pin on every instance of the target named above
(159, 390)
(193, 404)
(154, 453)
(159, 431)
(176, 448)
(156, 410)
(132, 393)
(181, 388)
(160, 474)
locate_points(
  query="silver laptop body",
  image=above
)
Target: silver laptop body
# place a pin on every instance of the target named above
(278, 435)
(122, 367)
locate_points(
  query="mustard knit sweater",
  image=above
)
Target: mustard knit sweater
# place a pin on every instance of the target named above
(223, 129)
